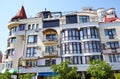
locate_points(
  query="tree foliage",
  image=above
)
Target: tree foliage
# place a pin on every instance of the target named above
(5, 75)
(100, 70)
(64, 71)
(26, 76)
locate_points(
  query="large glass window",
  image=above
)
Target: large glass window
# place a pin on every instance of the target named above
(114, 58)
(50, 23)
(110, 33)
(87, 33)
(113, 44)
(84, 19)
(51, 37)
(70, 34)
(32, 39)
(90, 58)
(31, 52)
(50, 49)
(72, 47)
(71, 19)
(84, 47)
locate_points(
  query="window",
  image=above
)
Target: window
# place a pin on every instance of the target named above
(114, 58)
(32, 39)
(50, 62)
(37, 26)
(9, 64)
(50, 49)
(14, 29)
(51, 23)
(10, 52)
(51, 37)
(33, 26)
(70, 34)
(21, 27)
(29, 27)
(110, 33)
(84, 19)
(13, 39)
(113, 45)
(90, 58)
(72, 47)
(71, 19)
(31, 52)
(77, 60)
(31, 63)
(88, 33)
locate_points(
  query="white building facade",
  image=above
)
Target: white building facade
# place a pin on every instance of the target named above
(34, 44)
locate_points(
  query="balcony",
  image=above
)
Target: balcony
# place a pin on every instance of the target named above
(50, 41)
(51, 54)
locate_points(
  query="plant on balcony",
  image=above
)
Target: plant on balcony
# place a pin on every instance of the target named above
(99, 69)
(27, 76)
(64, 71)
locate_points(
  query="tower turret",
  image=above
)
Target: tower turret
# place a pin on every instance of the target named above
(21, 14)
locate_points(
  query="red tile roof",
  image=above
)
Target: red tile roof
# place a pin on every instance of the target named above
(110, 19)
(21, 14)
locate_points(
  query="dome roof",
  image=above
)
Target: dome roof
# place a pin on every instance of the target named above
(21, 14)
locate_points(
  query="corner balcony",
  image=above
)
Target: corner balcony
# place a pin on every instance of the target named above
(51, 54)
(50, 41)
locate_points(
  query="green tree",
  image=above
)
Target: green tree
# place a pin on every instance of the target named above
(64, 71)
(5, 75)
(99, 69)
(26, 76)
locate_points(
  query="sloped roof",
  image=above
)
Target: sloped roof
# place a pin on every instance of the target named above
(108, 18)
(21, 14)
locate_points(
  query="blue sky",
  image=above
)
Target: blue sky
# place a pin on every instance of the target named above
(8, 8)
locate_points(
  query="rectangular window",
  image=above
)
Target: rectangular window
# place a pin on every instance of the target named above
(110, 33)
(114, 58)
(50, 49)
(10, 52)
(51, 37)
(31, 52)
(51, 23)
(9, 64)
(32, 39)
(31, 63)
(50, 62)
(13, 39)
(21, 27)
(84, 19)
(113, 45)
(71, 19)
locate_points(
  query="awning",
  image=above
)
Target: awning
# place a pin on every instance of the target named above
(47, 74)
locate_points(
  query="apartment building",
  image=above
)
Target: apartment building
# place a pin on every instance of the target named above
(34, 44)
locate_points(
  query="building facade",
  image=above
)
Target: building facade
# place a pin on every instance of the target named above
(34, 44)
